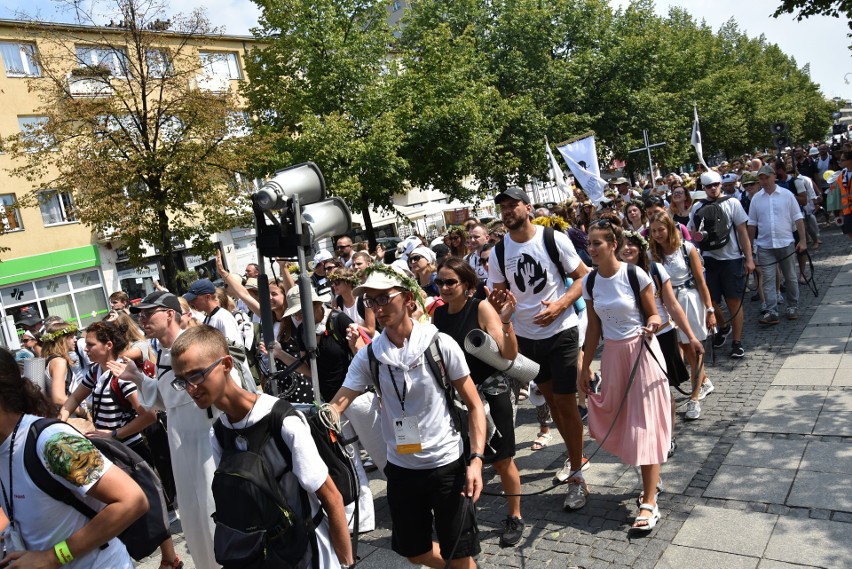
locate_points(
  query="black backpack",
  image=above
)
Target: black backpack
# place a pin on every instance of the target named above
(145, 535)
(256, 526)
(435, 362)
(713, 223)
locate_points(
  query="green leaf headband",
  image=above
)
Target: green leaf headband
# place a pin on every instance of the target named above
(636, 236)
(56, 334)
(405, 281)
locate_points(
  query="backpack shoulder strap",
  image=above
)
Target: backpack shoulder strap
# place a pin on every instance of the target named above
(657, 277)
(500, 253)
(42, 478)
(686, 259)
(590, 283)
(633, 278)
(362, 310)
(280, 411)
(553, 251)
(374, 369)
(115, 388)
(435, 361)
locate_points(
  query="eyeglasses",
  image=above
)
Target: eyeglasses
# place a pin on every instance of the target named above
(678, 193)
(180, 383)
(344, 246)
(449, 283)
(380, 300)
(329, 267)
(749, 184)
(713, 185)
(414, 259)
(146, 314)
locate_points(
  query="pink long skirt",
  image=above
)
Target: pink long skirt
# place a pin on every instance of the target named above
(643, 429)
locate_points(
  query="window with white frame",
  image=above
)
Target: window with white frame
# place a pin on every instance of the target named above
(19, 59)
(78, 298)
(33, 133)
(113, 59)
(56, 207)
(11, 218)
(220, 64)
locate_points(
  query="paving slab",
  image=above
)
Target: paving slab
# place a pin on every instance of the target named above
(770, 564)
(766, 453)
(838, 424)
(842, 377)
(832, 314)
(827, 331)
(823, 377)
(845, 361)
(832, 456)
(384, 559)
(767, 485)
(838, 401)
(819, 543)
(820, 345)
(678, 557)
(824, 490)
(812, 361)
(773, 421)
(729, 531)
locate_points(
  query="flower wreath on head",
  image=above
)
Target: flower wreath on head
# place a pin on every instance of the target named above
(351, 279)
(56, 334)
(406, 282)
(554, 221)
(635, 235)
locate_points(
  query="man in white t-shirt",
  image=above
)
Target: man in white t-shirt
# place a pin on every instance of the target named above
(545, 322)
(429, 478)
(727, 267)
(203, 368)
(477, 237)
(55, 533)
(771, 218)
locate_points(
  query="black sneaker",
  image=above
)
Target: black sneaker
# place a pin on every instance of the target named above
(513, 530)
(720, 336)
(737, 350)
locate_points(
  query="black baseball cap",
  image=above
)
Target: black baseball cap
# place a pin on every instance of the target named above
(512, 193)
(158, 299)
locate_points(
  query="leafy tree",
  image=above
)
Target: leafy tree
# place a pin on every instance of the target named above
(149, 158)
(322, 79)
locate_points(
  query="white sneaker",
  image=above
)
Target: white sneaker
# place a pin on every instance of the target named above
(564, 473)
(693, 410)
(706, 389)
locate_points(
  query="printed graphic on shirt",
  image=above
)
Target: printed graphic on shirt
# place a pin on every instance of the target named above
(74, 458)
(529, 273)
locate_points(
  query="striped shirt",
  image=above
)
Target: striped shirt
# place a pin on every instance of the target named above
(106, 411)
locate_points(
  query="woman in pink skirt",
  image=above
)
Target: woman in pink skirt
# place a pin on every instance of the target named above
(641, 424)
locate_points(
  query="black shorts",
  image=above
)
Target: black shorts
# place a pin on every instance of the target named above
(419, 499)
(557, 357)
(502, 444)
(847, 224)
(725, 278)
(675, 368)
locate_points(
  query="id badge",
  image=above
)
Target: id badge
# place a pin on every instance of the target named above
(407, 435)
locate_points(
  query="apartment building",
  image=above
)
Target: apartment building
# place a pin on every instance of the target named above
(55, 265)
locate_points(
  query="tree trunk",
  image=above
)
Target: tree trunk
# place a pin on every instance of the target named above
(368, 223)
(167, 252)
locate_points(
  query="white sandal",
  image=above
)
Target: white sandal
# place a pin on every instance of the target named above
(650, 520)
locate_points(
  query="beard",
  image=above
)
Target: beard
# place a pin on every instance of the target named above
(514, 223)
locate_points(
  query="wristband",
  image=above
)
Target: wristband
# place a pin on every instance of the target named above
(63, 553)
(710, 310)
(506, 323)
(115, 433)
(476, 455)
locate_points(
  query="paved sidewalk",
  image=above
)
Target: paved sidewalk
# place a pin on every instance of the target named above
(762, 480)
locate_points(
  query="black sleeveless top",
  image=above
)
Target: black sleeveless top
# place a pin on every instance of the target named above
(457, 326)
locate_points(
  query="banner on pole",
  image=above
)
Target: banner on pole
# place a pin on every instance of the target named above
(556, 172)
(696, 138)
(582, 160)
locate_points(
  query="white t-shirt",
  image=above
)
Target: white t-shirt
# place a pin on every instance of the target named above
(225, 322)
(74, 461)
(734, 209)
(107, 412)
(665, 318)
(308, 468)
(774, 215)
(615, 304)
(474, 260)
(532, 277)
(407, 367)
(677, 267)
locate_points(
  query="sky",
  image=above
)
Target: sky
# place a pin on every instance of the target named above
(820, 41)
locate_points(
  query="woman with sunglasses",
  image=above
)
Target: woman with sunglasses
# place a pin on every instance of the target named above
(421, 262)
(116, 411)
(343, 282)
(636, 427)
(457, 242)
(461, 314)
(680, 205)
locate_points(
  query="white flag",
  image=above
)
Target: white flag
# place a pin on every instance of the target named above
(696, 139)
(582, 160)
(556, 172)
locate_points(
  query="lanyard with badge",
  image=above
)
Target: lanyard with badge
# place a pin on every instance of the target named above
(11, 536)
(406, 430)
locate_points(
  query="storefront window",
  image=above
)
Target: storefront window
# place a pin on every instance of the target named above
(77, 298)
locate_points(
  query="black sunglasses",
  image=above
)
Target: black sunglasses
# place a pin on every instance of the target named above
(414, 259)
(450, 283)
(180, 383)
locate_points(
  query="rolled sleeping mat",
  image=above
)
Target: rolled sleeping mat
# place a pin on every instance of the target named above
(479, 344)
